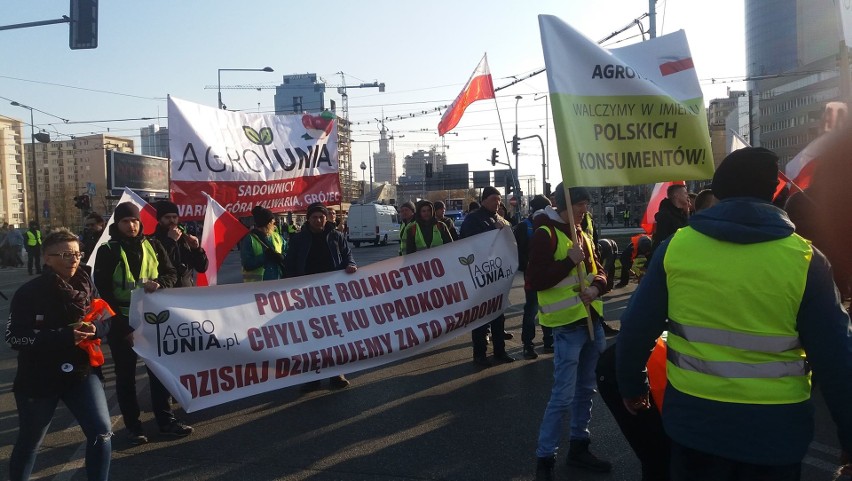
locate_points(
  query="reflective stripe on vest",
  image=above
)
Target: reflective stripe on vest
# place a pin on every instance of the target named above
(256, 275)
(730, 369)
(740, 340)
(123, 281)
(732, 336)
(561, 304)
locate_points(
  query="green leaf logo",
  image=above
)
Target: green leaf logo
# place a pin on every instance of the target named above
(252, 135)
(265, 136)
(152, 318)
(466, 261)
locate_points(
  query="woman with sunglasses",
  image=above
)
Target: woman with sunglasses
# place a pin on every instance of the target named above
(56, 356)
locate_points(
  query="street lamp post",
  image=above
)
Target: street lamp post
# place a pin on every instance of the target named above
(45, 138)
(363, 185)
(219, 90)
(517, 173)
(545, 161)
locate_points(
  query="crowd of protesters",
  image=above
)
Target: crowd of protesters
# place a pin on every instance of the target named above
(735, 375)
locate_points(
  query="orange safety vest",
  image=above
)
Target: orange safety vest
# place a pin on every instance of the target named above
(657, 373)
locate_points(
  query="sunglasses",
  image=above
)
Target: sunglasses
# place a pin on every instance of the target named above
(68, 255)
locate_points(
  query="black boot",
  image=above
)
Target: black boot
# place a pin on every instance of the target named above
(544, 468)
(579, 456)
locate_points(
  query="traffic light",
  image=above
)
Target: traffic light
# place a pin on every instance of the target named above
(494, 155)
(516, 145)
(428, 171)
(547, 189)
(83, 26)
(87, 202)
(78, 201)
(509, 185)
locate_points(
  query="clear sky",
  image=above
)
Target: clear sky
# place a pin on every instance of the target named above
(423, 51)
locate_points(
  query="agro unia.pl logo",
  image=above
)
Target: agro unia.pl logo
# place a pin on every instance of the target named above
(486, 272)
(187, 336)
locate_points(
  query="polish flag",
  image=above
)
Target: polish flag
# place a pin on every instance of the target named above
(673, 65)
(657, 196)
(147, 216)
(220, 234)
(478, 87)
(800, 170)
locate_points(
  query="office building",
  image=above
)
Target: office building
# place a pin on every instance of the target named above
(155, 140)
(792, 47)
(300, 93)
(384, 161)
(64, 170)
(13, 175)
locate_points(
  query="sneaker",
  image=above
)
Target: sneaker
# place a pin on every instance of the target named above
(482, 362)
(579, 456)
(137, 437)
(504, 358)
(176, 429)
(339, 382)
(529, 353)
(544, 468)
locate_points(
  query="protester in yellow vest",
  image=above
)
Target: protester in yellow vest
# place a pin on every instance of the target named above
(425, 232)
(262, 250)
(33, 247)
(744, 299)
(130, 261)
(553, 272)
(406, 217)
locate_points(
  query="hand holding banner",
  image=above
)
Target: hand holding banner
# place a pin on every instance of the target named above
(217, 344)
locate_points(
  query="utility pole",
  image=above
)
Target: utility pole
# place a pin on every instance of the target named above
(652, 18)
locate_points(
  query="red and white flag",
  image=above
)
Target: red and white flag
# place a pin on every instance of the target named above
(220, 234)
(478, 87)
(801, 169)
(657, 196)
(147, 216)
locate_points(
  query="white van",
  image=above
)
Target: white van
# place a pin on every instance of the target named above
(374, 223)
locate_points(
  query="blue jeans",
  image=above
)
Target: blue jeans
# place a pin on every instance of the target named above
(574, 359)
(87, 402)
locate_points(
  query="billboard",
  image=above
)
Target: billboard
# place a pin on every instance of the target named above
(137, 172)
(481, 179)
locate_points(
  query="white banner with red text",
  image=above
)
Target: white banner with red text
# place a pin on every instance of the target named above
(282, 162)
(211, 345)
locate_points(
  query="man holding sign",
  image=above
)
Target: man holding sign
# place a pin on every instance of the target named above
(315, 249)
(565, 308)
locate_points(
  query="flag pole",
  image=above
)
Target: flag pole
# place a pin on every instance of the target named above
(581, 267)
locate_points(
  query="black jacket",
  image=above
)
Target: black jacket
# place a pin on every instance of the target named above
(107, 260)
(669, 219)
(300, 245)
(479, 221)
(184, 259)
(38, 328)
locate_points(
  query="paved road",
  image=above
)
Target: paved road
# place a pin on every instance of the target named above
(432, 417)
